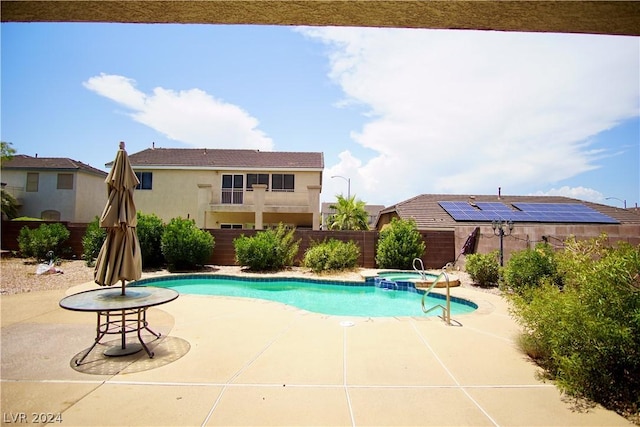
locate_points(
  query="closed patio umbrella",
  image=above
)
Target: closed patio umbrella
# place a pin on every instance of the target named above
(119, 258)
(469, 246)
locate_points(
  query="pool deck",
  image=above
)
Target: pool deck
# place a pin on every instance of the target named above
(232, 361)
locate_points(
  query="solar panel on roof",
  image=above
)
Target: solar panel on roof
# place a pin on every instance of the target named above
(566, 212)
(525, 212)
(482, 211)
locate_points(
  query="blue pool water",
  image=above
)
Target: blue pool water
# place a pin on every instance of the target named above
(334, 298)
(404, 275)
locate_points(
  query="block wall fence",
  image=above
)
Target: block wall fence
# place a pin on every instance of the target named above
(442, 246)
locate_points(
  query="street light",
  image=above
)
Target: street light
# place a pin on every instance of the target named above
(624, 202)
(348, 184)
(499, 229)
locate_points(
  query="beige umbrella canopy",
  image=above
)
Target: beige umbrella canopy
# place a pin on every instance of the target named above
(119, 258)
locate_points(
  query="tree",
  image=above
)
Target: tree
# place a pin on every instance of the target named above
(9, 203)
(7, 151)
(350, 215)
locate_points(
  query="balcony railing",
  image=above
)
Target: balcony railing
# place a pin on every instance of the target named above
(232, 197)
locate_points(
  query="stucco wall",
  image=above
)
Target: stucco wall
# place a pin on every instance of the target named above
(186, 193)
(80, 204)
(46, 198)
(174, 193)
(91, 197)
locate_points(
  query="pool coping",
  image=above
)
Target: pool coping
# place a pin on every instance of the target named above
(259, 363)
(369, 281)
(483, 306)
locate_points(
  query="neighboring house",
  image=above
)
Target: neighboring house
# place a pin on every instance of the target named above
(535, 219)
(372, 211)
(55, 188)
(220, 188)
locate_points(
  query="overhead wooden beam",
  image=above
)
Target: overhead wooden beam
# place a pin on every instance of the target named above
(596, 17)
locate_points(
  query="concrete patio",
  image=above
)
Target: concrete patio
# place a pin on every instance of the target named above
(231, 361)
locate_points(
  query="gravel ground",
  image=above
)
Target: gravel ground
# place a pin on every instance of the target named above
(18, 275)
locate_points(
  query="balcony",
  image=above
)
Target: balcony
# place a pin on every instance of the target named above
(275, 201)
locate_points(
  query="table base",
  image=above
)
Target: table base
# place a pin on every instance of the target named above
(118, 351)
(122, 323)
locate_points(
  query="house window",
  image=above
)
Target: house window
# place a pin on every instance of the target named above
(32, 181)
(146, 180)
(232, 189)
(231, 226)
(282, 182)
(257, 178)
(65, 181)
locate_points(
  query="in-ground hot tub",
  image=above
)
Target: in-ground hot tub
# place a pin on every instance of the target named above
(415, 277)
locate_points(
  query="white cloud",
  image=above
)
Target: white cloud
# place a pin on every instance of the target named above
(581, 193)
(468, 111)
(339, 179)
(189, 116)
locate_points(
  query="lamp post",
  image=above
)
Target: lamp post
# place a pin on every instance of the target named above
(348, 184)
(500, 229)
(624, 202)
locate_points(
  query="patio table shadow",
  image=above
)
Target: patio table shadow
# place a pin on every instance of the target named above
(167, 349)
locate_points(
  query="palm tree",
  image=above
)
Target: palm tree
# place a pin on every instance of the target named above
(350, 215)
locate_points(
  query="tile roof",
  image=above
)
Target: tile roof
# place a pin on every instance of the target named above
(429, 214)
(226, 158)
(21, 161)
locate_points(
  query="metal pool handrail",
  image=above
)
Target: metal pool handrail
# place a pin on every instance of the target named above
(423, 275)
(446, 311)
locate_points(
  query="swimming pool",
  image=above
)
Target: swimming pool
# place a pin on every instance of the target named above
(361, 299)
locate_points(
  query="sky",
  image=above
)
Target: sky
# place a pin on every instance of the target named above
(396, 112)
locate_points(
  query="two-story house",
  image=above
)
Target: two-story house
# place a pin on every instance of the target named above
(229, 188)
(55, 188)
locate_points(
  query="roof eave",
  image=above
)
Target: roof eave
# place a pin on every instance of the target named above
(226, 168)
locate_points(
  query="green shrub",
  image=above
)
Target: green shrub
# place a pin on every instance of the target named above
(530, 268)
(92, 242)
(149, 230)
(35, 243)
(268, 250)
(587, 335)
(185, 246)
(399, 244)
(332, 255)
(483, 268)
(10, 205)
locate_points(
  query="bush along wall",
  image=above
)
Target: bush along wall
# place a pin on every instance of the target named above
(585, 333)
(268, 250)
(331, 255)
(185, 246)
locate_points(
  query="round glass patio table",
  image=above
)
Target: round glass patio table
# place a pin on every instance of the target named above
(120, 314)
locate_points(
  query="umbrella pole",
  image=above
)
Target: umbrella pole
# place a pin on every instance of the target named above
(124, 331)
